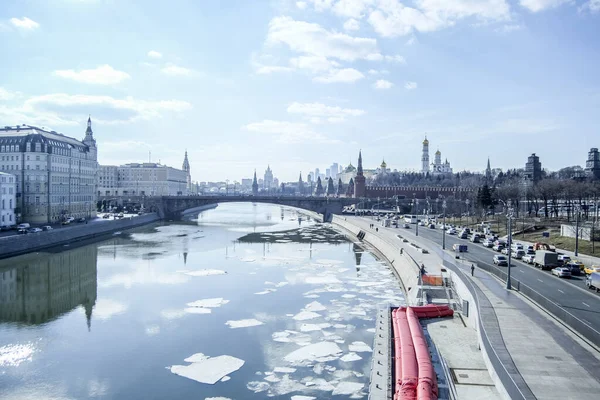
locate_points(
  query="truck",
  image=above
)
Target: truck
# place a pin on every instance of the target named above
(545, 259)
(593, 281)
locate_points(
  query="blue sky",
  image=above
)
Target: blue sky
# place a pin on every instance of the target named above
(302, 84)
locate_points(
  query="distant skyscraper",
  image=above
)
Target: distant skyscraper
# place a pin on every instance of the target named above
(359, 180)
(317, 174)
(533, 169)
(592, 165)
(334, 170)
(309, 178)
(268, 180)
(425, 156)
(328, 173)
(186, 168)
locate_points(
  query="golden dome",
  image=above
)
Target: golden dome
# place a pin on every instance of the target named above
(438, 153)
(425, 142)
(383, 164)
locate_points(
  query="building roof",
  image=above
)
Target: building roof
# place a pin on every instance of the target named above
(22, 134)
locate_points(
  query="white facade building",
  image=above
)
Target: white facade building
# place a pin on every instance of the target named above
(143, 179)
(56, 175)
(8, 199)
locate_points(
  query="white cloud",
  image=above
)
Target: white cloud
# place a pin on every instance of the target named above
(373, 72)
(345, 75)
(412, 40)
(175, 70)
(24, 24)
(312, 39)
(317, 112)
(410, 85)
(269, 69)
(383, 84)
(540, 5)
(6, 95)
(101, 75)
(352, 8)
(591, 5)
(154, 54)
(301, 5)
(106, 308)
(313, 63)
(321, 5)
(289, 132)
(509, 28)
(393, 18)
(397, 59)
(352, 25)
(60, 109)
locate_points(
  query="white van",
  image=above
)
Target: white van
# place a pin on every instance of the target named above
(24, 225)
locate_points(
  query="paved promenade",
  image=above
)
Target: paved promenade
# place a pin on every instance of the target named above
(546, 360)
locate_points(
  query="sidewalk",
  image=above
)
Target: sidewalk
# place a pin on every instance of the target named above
(550, 361)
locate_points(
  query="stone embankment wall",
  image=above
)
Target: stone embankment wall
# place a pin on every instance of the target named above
(16, 245)
(405, 269)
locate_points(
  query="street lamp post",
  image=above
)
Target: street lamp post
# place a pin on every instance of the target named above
(468, 212)
(509, 215)
(444, 226)
(576, 230)
(417, 204)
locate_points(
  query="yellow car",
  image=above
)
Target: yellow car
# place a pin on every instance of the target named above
(593, 268)
(577, 262)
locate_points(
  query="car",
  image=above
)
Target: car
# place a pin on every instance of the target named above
(451, 231)
(574, 268)
(34, 230)
(46, 228)
(463, 235)
(528, 258)
(517, 254)
(563, 259)
(22, 231)
(591, 269)
(488, 243)
(65, 222)
(407, 226)
(498, 247)
(501, 261)
(475, 238)
(24, 225)
(106, 216)
(71, 219)
(431, 226)
(82, 219)
(561, 272)
(421, 223)
(505, 250)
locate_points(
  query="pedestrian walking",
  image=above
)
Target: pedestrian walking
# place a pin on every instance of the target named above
(402, 250)
(472, 269)
(376, 229)
(422, 269)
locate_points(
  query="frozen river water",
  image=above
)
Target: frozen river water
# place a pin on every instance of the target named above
(247, 302)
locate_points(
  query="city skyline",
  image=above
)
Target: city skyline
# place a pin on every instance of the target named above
(307, 80)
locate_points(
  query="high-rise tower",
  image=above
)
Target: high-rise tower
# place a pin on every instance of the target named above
(89, 140)
(359, 180)
(425, 156)
(186, 168)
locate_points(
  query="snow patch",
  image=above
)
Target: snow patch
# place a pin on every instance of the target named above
(243, 323)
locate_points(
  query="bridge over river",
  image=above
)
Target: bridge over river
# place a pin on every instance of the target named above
(174, 207)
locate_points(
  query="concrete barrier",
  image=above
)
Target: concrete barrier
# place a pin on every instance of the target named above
(403, 266)
(11, 246)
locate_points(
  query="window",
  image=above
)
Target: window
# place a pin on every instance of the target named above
(28, 147)
(37, 158)
(38, 147)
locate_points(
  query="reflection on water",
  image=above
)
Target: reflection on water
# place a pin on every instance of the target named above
(255, 298)
(34, 292)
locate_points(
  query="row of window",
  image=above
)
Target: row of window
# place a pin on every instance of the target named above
(9, 219)
(10, 190)
(10, 204)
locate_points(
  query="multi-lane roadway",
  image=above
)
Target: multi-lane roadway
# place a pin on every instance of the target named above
(570, 294)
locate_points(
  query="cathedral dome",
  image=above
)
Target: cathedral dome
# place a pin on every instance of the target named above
(350, 168)
(383, 165)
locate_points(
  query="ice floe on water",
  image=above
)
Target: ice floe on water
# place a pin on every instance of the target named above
(208, 303)
(314, 352)
(243, 323)
(315, 306)
(347, 388)
(360, 347)
(205, 272)
(206, 369)
(267, 291)
(350, 357)
(304, 315)
(197, 310)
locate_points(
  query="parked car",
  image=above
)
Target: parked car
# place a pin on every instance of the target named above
(431, 226)
(591, 269)
(34, 230)
(593, 281)
(46, 228)
(24, 225)
(528, 258)
(65, 222)
(518, 254)
(82, 219)
(498, 247)
(22, 231)
(561, 272)
(501, 261)
(71, 219)
(488, 243)
(106, 216)
(563, 259)
(407, 226)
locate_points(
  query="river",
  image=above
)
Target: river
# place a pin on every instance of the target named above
(248, 301)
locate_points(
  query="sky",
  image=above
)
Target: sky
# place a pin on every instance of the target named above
(297, 85)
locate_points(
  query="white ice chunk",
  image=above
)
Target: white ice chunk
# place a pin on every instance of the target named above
(371, 330)
(205, 272)
(303, 398)
(351, 357)
(272, 378)
(327, 261)
(266, 291)
(258, 387)
(284, 370)
(208, 303)
(198, 357)
(322, 280)
(313, 351)
(243, 323)
(209, 370)
(347, 388)
(312, 296)
(225, 378)
(248, 259)
(348, 296)
(315, 306)
(360, 347)
(217, 398)
(304, 315)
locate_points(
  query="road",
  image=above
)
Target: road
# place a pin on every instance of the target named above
(569, 294)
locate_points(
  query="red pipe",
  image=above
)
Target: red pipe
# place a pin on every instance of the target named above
(427, 382)
(410, 372)
(397, 350)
